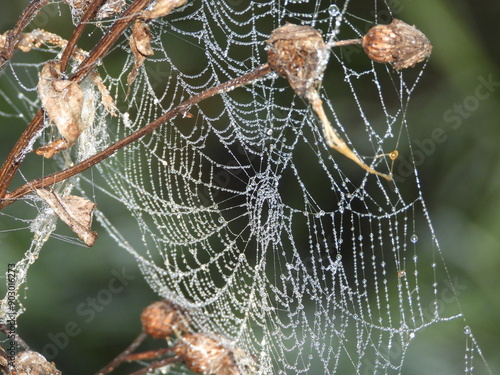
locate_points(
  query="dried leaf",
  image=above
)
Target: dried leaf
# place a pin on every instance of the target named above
(62, 100)
(140, 44)
(398, 43)
(75, 211)
(162, 8)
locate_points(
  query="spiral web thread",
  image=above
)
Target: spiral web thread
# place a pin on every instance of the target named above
(270, 239)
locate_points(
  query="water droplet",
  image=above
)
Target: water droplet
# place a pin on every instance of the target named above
(412, 335)
(334, 10)
(269, 132)
(467, 330)
(414, 238)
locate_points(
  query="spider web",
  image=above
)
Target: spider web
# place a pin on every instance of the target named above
(247, 218)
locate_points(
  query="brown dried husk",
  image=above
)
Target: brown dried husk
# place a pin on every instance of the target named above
(299, 54)
(398, 43)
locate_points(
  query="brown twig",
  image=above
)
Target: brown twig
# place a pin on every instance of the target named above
(18, 152)
(123, 355)
(77, 32)
(93, 160)
(347, 42)
(13, 37)
(155, 365)
(147, 355)
(103, 46)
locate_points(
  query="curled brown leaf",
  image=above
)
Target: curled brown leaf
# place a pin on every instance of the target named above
(140, 45)
(62, 100)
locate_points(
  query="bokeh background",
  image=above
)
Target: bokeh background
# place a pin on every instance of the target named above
(460, 178)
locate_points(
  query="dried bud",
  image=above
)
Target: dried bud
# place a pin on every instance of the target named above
(208, 356)
(398, 43)
(33, 363)
(299, 54)
(162, 319)
(63, 102)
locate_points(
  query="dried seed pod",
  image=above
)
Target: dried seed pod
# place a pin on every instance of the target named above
(299, 54)
(398, 43)
(31, 363)
(206, 355)
(162, 319)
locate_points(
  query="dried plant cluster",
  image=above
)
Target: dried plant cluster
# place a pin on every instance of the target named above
(201, 353)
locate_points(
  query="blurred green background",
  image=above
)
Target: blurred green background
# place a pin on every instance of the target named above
(460, 182)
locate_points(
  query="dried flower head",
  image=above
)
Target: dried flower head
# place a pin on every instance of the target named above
(398, 43)
(31, 363)
(162, 319)
(299, 54)
(209, 356)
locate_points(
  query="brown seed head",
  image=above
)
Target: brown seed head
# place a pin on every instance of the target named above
(299, 54)
(162, 319)
(209, 356)
(33, 363)
(398, 43)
